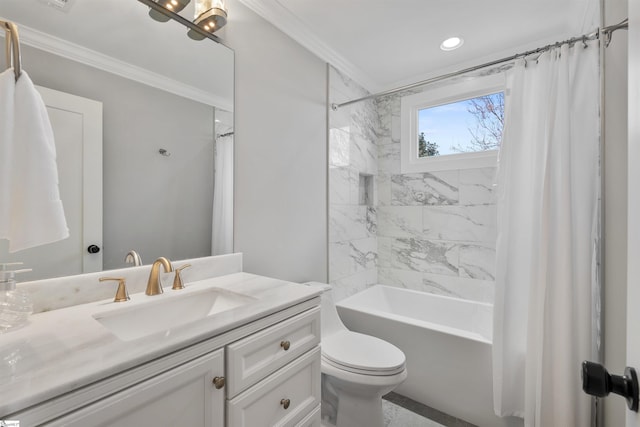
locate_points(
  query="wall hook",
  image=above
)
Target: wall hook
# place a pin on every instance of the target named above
(164, 152)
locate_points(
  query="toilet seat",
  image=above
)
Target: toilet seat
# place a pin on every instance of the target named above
(362, 354)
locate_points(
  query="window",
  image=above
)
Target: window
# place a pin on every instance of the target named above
(454, 127)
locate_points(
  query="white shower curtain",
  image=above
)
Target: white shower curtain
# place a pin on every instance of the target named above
(222, 229)
(548, 196)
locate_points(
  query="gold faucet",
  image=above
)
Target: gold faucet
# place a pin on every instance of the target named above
(154, 286)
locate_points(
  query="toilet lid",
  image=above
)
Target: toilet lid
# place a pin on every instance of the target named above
(361, 353)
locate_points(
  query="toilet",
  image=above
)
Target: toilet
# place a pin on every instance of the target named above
(357, 370)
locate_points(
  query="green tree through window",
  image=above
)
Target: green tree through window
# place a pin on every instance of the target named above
(426, 148)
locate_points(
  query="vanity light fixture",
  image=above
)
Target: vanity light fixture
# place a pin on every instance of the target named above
(451, 43)
(172, 5)
(210, 15)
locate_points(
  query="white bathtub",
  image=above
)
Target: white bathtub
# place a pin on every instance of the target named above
(447, 342)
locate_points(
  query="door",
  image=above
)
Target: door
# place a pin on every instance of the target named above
(77, 127)
(633, 248)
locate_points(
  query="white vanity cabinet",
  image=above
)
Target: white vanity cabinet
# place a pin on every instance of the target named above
(182, 396)
(261, 374)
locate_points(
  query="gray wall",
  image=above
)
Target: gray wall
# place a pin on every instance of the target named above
(280, 212)
(159, 206)
(615, 209)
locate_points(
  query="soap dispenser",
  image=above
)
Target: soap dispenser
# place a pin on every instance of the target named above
(15, 304)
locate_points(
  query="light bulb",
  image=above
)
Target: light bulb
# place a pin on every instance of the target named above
(451, 43)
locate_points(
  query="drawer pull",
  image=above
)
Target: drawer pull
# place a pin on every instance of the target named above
(285, 403)
(219, 382)
(285, 345)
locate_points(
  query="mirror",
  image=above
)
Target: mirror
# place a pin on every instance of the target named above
(167, 104)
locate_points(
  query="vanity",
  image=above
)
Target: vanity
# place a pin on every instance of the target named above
(231, 349)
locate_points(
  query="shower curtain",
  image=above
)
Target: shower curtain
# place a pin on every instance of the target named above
(222, 227)
(546, 256)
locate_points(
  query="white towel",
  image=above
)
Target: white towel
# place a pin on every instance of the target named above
(35, 212)
(7, 90)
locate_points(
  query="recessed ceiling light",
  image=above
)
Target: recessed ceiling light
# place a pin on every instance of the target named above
(451, 43)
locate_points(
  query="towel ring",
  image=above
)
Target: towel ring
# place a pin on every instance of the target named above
(12, 47)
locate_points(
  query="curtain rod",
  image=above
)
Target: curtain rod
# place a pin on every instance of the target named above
(606, 31)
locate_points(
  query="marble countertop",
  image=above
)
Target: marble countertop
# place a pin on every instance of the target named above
(63, 350)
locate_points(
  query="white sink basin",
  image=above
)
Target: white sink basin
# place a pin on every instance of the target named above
(162, 313)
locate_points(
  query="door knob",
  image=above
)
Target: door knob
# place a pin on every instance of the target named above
(93, 249)
(596, 381)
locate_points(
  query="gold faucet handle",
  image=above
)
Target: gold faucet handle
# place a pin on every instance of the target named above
(177, 281)
(121, 293)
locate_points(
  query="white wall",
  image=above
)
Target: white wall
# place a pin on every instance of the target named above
(280, 212)
(615, 210)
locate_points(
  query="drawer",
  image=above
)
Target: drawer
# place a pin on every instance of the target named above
(311, 420)
(263, 405)
(256, 356)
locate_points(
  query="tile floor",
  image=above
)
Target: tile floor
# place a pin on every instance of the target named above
(400, 411)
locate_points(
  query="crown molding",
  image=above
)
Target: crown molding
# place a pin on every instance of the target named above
(283, 19)
(92, 58)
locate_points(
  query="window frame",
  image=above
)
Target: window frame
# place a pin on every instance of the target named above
(412, 104)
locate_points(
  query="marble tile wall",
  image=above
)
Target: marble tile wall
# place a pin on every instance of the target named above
(433, 232)
(436, 231)
(353, 166)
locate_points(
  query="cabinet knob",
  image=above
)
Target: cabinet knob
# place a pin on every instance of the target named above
(285, 345)
(218, 382)
(285, 403)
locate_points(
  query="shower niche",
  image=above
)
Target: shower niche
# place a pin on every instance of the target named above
(365, 190)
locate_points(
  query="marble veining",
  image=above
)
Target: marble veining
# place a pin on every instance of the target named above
(400, 221)
(343, 182)
(364, 155)
(353, 223)
(348, 222)
(389, 158)
(340, 261)
(477, 261)
(372, 221)
(364, 253)
(383, 182)
(425, 256)
(477, 186)
(385, 251)
(437, 188)
(401, 278)
(460, 223)
(459, 287)
(434, 232)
